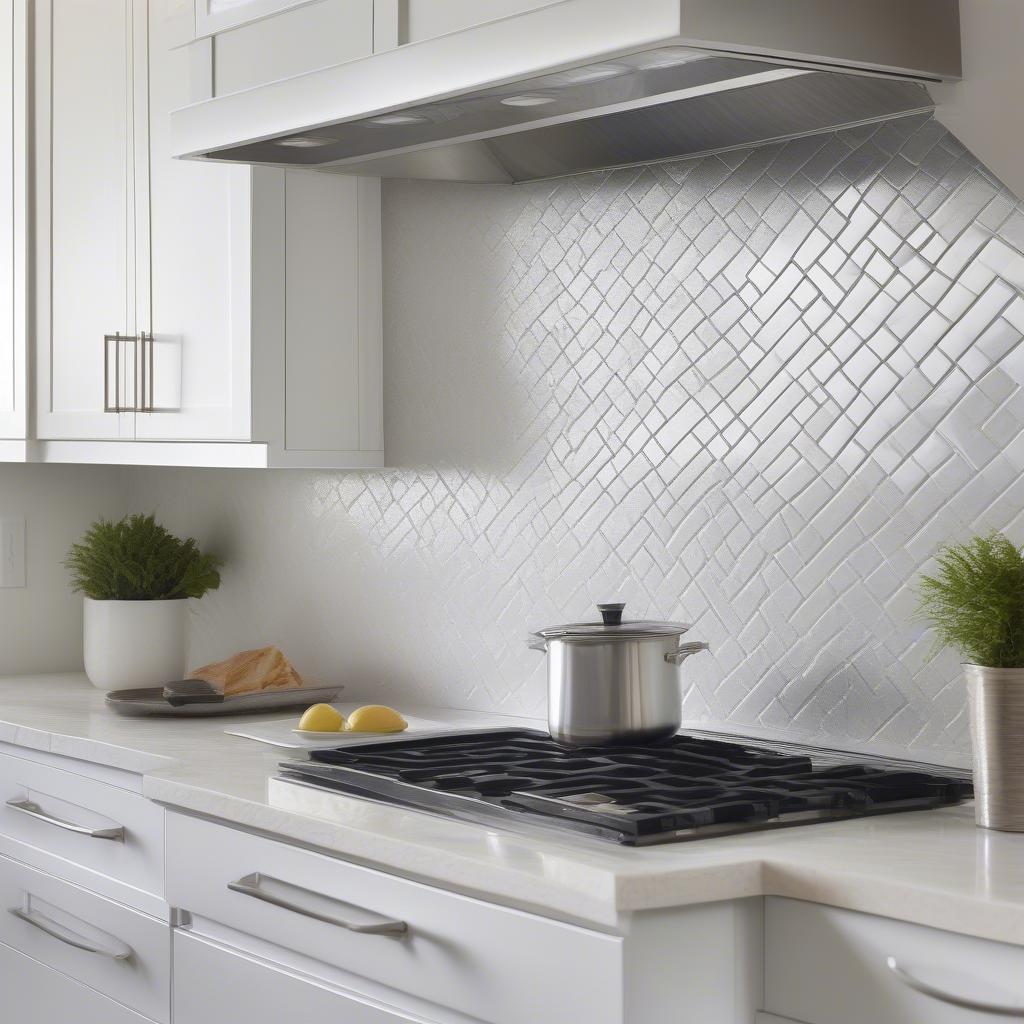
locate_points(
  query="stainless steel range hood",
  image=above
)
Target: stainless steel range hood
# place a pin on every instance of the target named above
(586, 84)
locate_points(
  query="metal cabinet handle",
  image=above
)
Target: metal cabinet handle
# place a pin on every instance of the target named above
(116, 339)
(685, 650)
(145, 381)
(139, 406)
(250, 886)
(68, 937)
(33, 810)
(932, 992)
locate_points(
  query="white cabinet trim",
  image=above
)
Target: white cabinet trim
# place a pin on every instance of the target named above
(211, 454)
(14, 423)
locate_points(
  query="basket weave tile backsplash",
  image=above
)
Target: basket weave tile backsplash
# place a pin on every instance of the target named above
(751, 391)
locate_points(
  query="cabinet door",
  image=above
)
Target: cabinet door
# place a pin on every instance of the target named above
(13, 164)
(195, 300)
(34, 994)
(214, 985)
(85, 216)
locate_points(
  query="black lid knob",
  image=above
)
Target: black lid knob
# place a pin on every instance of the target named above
(611, 614)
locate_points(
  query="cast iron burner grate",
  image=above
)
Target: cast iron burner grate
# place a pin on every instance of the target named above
(682, 788)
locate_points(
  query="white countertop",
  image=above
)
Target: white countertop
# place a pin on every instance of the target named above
(929, 867)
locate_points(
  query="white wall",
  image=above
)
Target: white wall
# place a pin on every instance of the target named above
(41, 624)
(752, 391)
(984, 109)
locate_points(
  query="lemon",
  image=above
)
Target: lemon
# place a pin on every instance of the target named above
(375, 718)
(322, 718)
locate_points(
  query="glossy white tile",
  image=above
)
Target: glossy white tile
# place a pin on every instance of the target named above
(753, 391)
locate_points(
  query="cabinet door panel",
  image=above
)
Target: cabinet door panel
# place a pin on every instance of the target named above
(13, 164)
(81, 935)
(196, 298)
(136, 861)
(213, 985)
(85, 213)
(34, 994)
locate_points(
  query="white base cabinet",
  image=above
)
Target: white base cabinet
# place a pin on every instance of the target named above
(379, 948)
(84, 932)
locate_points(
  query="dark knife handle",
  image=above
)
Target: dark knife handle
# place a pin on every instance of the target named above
(191, 691)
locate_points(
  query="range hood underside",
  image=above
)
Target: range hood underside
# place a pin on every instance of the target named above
(801, 104)
(579, 85)
(661, 104)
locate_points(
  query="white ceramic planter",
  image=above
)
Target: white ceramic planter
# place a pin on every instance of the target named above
(135, 643)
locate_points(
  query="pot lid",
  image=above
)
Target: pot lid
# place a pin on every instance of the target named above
(612, 627)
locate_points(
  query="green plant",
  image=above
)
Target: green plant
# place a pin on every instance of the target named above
(975, 601)
(136, 559)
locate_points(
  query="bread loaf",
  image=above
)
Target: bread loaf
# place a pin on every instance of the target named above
(250, 672)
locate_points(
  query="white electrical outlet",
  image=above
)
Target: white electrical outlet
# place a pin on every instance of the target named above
(12, 551)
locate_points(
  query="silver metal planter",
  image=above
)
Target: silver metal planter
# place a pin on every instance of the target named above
(996, 700)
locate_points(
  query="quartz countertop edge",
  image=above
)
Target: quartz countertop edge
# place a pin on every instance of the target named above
(927, 867)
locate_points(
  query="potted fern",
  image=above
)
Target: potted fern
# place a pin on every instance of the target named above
(975, 603)
(136, 577)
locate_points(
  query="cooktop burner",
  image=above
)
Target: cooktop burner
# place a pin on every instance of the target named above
(685, 787)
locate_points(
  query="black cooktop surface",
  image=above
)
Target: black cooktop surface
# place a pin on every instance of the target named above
(685, 787)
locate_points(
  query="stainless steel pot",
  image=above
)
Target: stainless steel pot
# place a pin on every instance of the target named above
(613, 681)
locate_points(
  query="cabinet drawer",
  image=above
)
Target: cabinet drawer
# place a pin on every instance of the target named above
(119, 952)
(499, 965)
(216, 985)
(829, 966)
(34, 994)
(59, 813)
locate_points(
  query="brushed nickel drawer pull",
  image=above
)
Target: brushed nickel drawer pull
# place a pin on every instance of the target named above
(68, 937)
(33, 810)
(932, 992)
(250, 886)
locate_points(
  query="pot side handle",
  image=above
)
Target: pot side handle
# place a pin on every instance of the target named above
(680, 655)
(537, 643)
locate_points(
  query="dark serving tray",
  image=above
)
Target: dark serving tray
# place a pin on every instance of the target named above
(151, 701)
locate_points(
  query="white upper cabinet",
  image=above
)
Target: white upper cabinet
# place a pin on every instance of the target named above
(196, 306)
(13, 207)
(85, 217)
(190, 313)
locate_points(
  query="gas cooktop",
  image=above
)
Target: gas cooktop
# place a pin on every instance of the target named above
(685, 787)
